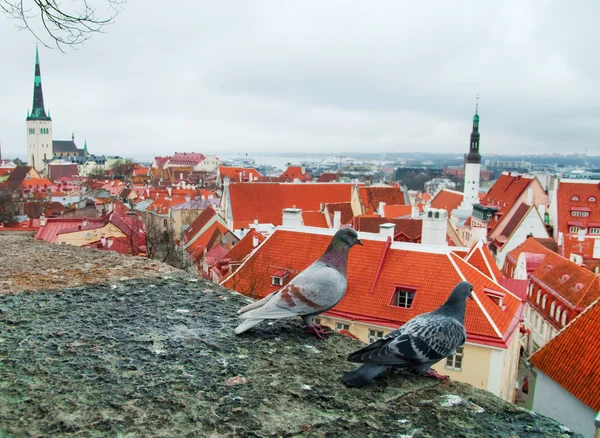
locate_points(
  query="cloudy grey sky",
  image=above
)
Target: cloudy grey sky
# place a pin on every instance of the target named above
(317, 76)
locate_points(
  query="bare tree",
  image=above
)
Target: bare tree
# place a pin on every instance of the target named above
(123, 168)
(66, 26)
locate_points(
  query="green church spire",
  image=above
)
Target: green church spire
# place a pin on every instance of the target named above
(38, 112)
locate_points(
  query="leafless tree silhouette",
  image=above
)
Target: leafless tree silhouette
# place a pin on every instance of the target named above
(65, 25)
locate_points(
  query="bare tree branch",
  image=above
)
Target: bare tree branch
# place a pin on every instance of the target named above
(65, 27)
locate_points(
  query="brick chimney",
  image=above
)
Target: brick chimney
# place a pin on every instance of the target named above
(387, 229)
(435, 227)
(337, 220)
(292, 217)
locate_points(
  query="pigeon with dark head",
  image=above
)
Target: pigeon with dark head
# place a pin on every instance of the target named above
(315, 290)
(418, 344)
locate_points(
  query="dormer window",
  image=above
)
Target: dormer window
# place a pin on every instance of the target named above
(496, 296)
(544, 299)
(403, 297)
(591, 199)
(552, 307)
(578, 287)
(564, 318)
(279, 277)
(575, 198)
(565, 277)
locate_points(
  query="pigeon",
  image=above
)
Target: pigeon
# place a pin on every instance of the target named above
(315, 290)
(418, 344)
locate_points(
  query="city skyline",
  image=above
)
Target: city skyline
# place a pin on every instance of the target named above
(263, 78)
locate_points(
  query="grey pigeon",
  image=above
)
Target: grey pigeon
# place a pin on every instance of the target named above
(418, 344)
(315, 290)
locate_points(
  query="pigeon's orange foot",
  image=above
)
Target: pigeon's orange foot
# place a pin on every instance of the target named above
(433, 373)
(319, 330)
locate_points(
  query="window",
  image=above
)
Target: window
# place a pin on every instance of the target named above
(375, 335)
(165, 223)
(564, 318)
(317, 320)
(544, 301)
(454, 362)
(573, 229)
(557, 317)
(591, 199)
(552, 307)
(536, 324)
(277, 281)
(403, 298)
(580, 213)
(575, 198)
(539, 295)
(594, 230)
(530, 290)
(340, 326)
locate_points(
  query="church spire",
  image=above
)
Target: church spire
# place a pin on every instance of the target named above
(474, 156)
(38, 112)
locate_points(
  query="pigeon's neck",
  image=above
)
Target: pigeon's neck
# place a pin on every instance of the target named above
(336, 256)
(454, 307)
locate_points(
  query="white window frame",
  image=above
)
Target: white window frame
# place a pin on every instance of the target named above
(401, 297)
(276, 281)
(574, 229)
(552, 307)
(594, 230)
(544, 299)
(375, 335)
(455, 361)
(341, 326)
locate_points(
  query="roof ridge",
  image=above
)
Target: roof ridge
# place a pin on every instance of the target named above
(476, 298)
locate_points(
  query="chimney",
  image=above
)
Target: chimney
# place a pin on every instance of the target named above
(414, 212)
(337, 220)
(292, 217)
(254, 241)
(240, 176)
(42, 220)
(103, 241)
(380, 211)
(387, 229)
(148, 192)
(435, 227)
(303, 169)
(187, 198)
(203, 197)
(85, 222)
(169, 190)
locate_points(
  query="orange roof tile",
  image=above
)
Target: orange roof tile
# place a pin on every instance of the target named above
(448, 200)
(198, 223)
(296, 172)
(572, 359)
(244, 247)
(371, 197)
(265, 201)
(370, 289)
(238, 174)
(481, 257)
(162, 205)
(196, 248)
(397, 210)
(504, 193)
(36, 182)
(314, 218)
(345, 208)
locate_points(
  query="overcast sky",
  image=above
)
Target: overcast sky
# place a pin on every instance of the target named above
(317, 76)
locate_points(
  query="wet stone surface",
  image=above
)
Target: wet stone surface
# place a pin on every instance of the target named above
(157, 357)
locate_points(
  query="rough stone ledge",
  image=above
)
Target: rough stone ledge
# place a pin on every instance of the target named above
(157, 357)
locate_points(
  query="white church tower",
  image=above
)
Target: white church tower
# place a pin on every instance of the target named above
(39, 125)
(472, 168)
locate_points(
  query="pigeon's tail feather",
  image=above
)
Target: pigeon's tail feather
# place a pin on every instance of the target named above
(247, 324)
(363, 374)
(257, 304)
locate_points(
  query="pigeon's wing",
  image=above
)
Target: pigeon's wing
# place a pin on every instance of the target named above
(429, 339)
(426, 338)
(316, 289)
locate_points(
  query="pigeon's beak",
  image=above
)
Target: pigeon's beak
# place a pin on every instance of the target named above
(471, 295)
(359, 242)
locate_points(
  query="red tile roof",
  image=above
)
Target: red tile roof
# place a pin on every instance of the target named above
(504, 193)
(572, 195)
(396, 210)
(186, 159)
(265, 201)
(370, 197)
(343, 207)
(314, 218)
(198, 224)
(238, 174)
(572, 359)
(448, 200)
(141, 171)
(515, 220)
(36, 182)
(370, 289)
(197, 247)
(58, 171)
(295, 173)
(56, 226)
(481, 257)
(244, 247)
(162, 205)
(326, 177)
